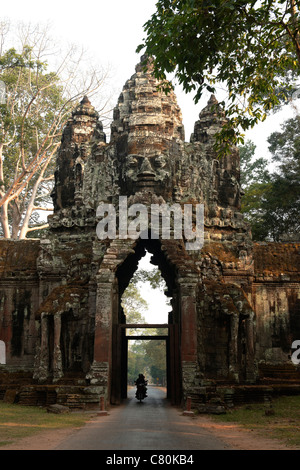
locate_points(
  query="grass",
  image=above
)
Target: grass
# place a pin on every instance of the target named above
(283, 424)
(17, 421)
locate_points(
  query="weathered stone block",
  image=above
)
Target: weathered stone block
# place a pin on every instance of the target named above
(58, 409)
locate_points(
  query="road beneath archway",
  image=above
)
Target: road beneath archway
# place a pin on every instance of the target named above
(151, 425)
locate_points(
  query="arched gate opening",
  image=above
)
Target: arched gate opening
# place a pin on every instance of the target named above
(120, 340)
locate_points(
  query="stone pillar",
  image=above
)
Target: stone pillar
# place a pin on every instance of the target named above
(2, 352)
(189, 362)
(43, 368)
(100, 371)
(233, 346)
(57, 359)
(251, 372)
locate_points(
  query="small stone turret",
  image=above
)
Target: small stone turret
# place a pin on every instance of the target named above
(225, 177)
(211, 119)
(81, 128)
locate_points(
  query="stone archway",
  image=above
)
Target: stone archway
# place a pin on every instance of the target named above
(116, 269)
(124, 274)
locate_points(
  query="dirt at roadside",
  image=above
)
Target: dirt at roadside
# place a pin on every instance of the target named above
(242, 439)
(45, 440)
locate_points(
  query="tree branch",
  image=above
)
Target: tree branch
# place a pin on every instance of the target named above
(35, 208)
(40, 227)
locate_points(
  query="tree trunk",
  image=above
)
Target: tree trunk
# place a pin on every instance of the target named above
(4, 220)
(30, 206)
(294, 34)
(16, 219)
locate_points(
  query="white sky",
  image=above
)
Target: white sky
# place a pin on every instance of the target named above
(158, 309)
(111, 31)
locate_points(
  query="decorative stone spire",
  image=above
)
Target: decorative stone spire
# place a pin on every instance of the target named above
(85, 101)
(212, 100)
(146, 119)
(81, 128)
(85, 108)
(211, 120)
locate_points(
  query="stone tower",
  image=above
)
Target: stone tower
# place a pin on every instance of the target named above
(148, 162)
(77, 331)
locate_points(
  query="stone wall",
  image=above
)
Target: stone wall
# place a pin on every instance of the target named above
(276, 299)
(19, 300)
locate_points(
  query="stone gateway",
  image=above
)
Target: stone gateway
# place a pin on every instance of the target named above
(235, 304)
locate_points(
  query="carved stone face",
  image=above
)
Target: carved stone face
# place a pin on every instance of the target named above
(230, 191)
(151, 172)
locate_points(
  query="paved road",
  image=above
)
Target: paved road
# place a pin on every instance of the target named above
(151, 425)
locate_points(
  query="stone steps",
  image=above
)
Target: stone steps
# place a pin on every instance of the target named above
(281, 372)
(217, 399)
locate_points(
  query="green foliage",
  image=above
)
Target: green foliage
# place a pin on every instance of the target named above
(255, 182)
(272, 200)
(33, 100)
(156, 351)
(282, 204)
(250, 47)
(253, 208)
(138, 362)
(134, 306)
(252, 170)
(35, 109)
(149, 358)
(30, 126)
(152, 276)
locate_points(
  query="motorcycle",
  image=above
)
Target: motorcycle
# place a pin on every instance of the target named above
(141, 391)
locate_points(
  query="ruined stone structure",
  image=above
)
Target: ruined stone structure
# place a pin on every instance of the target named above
(235, 304)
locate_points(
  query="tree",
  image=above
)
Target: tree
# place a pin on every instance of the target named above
(251, 47)
(271, 202)
(253, 170)
(34, 110)
(137, 361)
(156, 354)
(255, 182)
(282, 205)
(153, 276)
(133, 305)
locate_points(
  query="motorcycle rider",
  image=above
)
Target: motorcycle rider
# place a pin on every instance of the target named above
(141, 380)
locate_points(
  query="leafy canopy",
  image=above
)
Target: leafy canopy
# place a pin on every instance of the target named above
(283, 200)
(271, 202)
(251, 47)
(30, 122)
